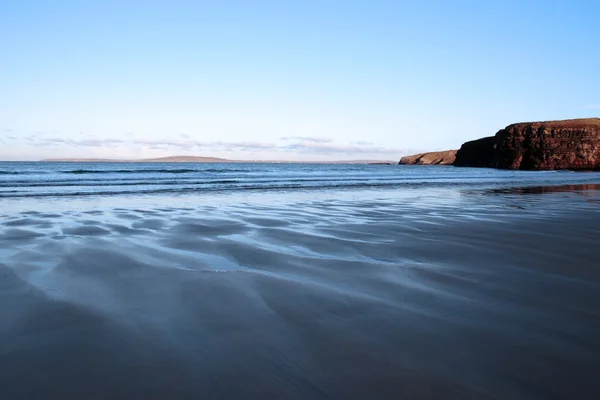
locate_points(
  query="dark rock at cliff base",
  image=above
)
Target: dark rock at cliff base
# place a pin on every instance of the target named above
(569, 144)
(432, 158)
(476, 153)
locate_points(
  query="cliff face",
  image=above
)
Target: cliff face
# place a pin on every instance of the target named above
(432, 158)
(569, 144)
(476, 153)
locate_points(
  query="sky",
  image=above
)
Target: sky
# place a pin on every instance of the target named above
(287, 79)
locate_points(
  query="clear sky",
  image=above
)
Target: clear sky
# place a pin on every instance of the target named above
(285, 79)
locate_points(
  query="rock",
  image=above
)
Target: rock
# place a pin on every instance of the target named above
(432, 158)
(569, 144)
(476, 153)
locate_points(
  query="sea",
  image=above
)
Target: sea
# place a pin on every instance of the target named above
(22, 180)
(297, 281)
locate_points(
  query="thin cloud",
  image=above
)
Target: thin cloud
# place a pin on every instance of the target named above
(57, 141)
(592, 106)
(299, 145)
(340, 149)
(99, 142)
(308, 139)
(193, 144)
(363, 143)
(156, 144)
(53, 141)
(243, 146)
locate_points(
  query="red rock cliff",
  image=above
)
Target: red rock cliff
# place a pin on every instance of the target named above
(569, 144)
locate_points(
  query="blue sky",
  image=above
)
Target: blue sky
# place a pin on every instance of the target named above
(303, 80)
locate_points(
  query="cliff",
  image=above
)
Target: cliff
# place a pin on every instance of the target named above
(476, 153)
(569, 144)
(432, 158)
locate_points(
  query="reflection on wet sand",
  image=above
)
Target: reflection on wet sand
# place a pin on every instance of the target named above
(579, 188)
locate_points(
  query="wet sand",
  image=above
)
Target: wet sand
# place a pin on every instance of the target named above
(491, 295)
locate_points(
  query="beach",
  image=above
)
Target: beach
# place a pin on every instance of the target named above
(299, 200)
(442, 291)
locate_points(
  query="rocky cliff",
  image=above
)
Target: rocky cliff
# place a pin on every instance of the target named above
(570, 144)
(432, 158)
(476, 153)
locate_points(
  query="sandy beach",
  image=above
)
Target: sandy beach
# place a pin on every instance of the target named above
(299, 200)
(458, 294)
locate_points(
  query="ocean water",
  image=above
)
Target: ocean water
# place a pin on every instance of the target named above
(128, 280)
(23, 179)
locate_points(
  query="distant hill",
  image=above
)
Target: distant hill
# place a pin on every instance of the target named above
(432, 158)
(194, 159)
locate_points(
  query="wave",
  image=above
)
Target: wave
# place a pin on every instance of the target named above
(195, 180)
(154, 171)
(131, 171)
(182, 185)
(219, 170)
(245, 187)
(103, 183)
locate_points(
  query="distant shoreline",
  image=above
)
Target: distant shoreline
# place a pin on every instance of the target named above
(192, 159)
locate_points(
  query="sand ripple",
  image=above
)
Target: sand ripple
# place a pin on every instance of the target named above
(332, 298)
